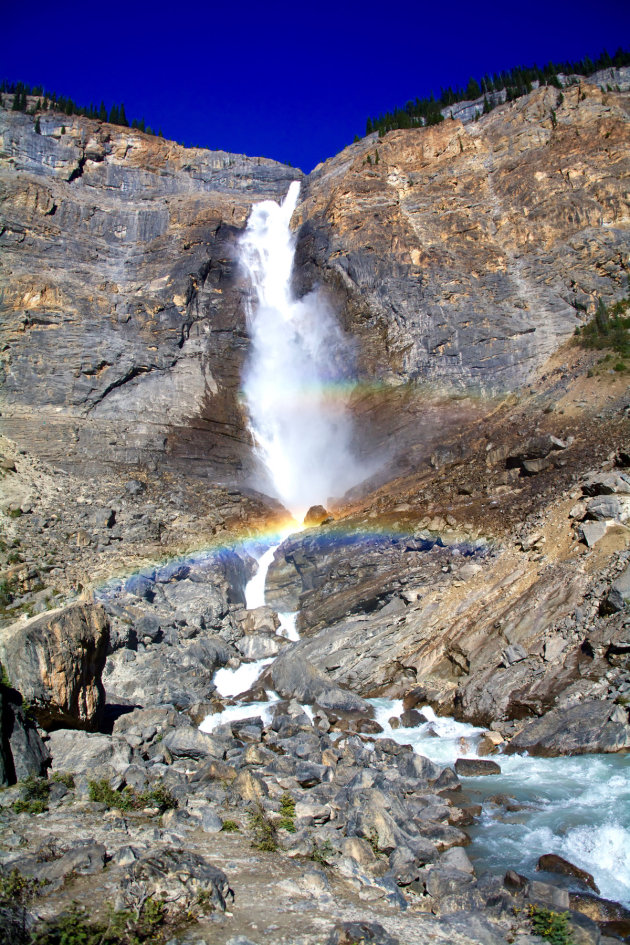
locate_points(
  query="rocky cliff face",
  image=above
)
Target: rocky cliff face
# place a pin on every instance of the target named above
(123, 324)
(463, 255)
(462, 258)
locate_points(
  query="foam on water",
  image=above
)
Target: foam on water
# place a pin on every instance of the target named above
(298, 354)
(288, 627)
(234, 682)
(577, 807)
(244, 710)
(255, 588)
(443, 740)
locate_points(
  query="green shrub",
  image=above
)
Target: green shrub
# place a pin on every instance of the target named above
(6, 593)
(65, 778)
(230, 826)
(16, 893)
(609, 328)
(34, 798)
(123, 927)
(287, 813)
(263, 830)
(128, 799)
(322, 852)
(553, 926)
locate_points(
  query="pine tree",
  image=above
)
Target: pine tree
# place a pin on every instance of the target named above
(38, 128)
(472, 89)
(113, 115)
(368, 127)
(122, 118)
(102, 112)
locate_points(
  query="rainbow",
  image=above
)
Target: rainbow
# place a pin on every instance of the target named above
(254, 541)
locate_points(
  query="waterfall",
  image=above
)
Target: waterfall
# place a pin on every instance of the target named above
(297, 375)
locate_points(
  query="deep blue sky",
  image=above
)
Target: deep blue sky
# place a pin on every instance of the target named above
(291, 81)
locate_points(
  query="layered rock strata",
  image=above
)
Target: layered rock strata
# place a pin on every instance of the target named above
(123, 322)
(467, 253)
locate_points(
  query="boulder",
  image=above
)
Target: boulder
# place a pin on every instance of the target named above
(259, 646)
(181, 877)
(411, 718)
(97, 756)
(341, 700)
(592, 532)
(294, 677)
(22, 752)
(476, 767)
(189, 742)
(194, 602)
(619, 593)
(607, 484)
(259, 620)
(591, 726)
(604, 507)
(56, 660)
(368, 933)
(552, 863)
(316, 515)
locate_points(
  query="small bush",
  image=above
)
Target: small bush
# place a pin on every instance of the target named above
(263, 830)
(65, 778)
(609, 328)
(34, 798)
(123, 927)
(230, 826)
(322, 852)
(287, 813)
(553, 926)
(6, 593)
(128, 799)
(16, 893)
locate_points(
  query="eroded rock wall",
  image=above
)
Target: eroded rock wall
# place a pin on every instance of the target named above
(462, 255)
(123, 329)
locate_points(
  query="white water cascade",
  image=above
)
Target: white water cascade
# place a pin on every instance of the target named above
(236, 682)
(297, 375)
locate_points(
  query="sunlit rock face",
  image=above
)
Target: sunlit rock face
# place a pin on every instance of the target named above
(462, 258)
(123, 327)
(466, 253)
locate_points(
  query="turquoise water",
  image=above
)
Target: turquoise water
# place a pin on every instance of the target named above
(577, 807)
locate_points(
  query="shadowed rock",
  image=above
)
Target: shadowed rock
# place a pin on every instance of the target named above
(56, 662)
(552, 863)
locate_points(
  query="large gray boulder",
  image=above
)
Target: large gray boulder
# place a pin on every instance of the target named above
(585, 728)
(619, 593)
(295, 678)
(22, 752)
(93, 755)
(56, 660)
